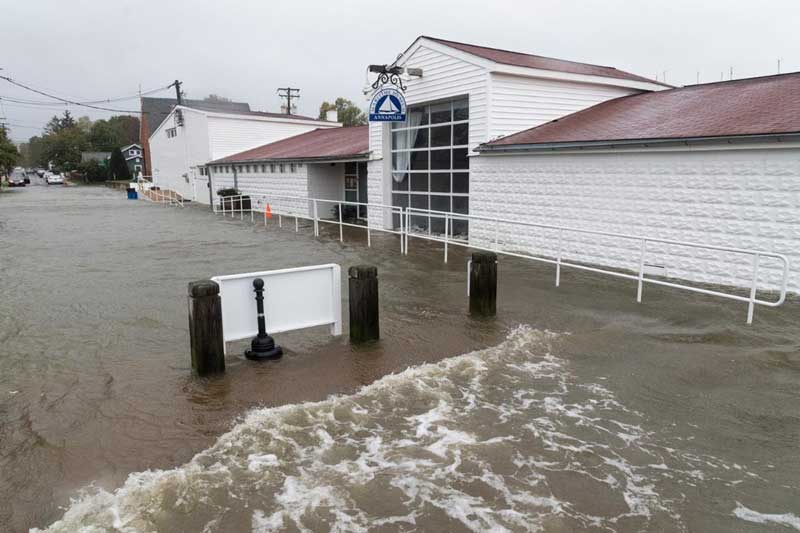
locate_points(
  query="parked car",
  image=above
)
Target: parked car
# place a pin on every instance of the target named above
(16, 180)
(40, 172)
(55, 179)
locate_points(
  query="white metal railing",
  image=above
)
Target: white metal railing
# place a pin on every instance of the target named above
(278, 208)
(302, 206)
(160, 197)
(448, 238)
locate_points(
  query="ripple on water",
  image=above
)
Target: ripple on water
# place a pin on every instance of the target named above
(500, 439)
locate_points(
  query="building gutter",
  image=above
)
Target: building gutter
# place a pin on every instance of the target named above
(325, 159)
(636, 143)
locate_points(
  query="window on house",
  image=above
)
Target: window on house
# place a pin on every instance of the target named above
(291, 167)
(172, 132)
(430, 167)
(281, 168)
(272, 167)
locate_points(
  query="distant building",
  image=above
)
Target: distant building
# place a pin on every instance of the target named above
(134, 158)
(155, 110)
(100, 157)
(192, 135)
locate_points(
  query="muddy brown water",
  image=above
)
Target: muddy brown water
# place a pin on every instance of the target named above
(575, 410)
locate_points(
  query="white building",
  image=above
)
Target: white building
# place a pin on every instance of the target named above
(190, 137)
(516, 136)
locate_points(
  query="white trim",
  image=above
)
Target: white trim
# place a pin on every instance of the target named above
(719, 147)
(493, 66)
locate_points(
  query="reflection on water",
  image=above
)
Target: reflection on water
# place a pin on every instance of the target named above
(667, 416)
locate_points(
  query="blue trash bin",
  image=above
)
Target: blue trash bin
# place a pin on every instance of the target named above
(132, 195)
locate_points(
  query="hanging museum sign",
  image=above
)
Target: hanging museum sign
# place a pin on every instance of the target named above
(388, 103)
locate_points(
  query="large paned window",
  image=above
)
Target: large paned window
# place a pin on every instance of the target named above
(430, 167)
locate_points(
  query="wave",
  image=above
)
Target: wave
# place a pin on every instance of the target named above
(502, 439)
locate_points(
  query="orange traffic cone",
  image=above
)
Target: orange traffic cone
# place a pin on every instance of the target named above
(269, 212)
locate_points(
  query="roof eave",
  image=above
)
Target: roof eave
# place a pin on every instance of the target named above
(363, 156)
(629, 143)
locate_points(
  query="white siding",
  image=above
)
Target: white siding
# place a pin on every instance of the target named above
(229, 136)
(269, 183)
(326, 181)
(518, 103)
(738, 198)
(175, 159)
(446, 76)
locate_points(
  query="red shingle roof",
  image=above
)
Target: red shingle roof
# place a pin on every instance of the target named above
(754, 106)
(321, 143)
(519, 59)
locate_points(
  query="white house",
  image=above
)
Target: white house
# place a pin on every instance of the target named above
(504, 134)
(190, 137)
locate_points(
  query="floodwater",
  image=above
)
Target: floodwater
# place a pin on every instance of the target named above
(576, 409)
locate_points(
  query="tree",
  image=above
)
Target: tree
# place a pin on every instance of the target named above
(121, 130)
(9, 155)
(117, 167)
(216, 98)
(93, 171)
(349, 113)
(58, 124)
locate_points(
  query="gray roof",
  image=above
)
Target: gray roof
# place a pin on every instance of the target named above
(155, 110)
(94, 156)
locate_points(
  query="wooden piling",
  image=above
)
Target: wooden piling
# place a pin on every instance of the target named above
(483, 284)
(205, 328)
(364, 316)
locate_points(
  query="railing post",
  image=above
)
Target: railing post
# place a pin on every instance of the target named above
(316, 219)
(280, 221)
(241, 207)
(408, 227)
(364, 309)
(205, 328)
(483, 284)
(558, 261)
(341, 228)
(446, 218)
(495, 234)
(296, 226)
(752, 303)
(369, 236)
(641, 272)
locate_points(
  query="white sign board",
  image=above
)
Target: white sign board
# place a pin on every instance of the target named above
(294, 298)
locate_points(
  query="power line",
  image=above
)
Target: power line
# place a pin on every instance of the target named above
(18, 84)
(87, 102)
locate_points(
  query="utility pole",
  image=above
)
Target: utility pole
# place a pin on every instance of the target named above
(178, 94)
(288, 93)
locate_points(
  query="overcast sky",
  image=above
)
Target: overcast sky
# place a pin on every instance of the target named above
(246, 49)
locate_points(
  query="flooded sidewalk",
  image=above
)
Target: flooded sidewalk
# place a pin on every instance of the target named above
(577, 409)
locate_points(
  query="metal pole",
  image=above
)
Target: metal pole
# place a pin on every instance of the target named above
(341, 232)
(641, 272)
(446, 218)
(316, 220)
(751, 304)
(558, 262)
(369, 237)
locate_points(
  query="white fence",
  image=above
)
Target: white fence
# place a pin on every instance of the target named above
(501, 236)
(146, 192)
(294, 298)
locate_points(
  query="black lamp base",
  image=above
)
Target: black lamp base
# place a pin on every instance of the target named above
(263, 348)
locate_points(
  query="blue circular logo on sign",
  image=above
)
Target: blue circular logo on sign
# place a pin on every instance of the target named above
(388, 105)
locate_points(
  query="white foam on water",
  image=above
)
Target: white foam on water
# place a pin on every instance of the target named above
(785, 519)
(503, 439)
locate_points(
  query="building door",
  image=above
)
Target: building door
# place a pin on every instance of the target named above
(355, 186)
(362, 190)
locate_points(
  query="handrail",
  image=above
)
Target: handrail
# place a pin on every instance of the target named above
(639, 276)
(448, 238)
(267, 199)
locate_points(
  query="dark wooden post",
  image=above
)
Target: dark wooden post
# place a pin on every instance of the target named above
(483, 284)
(205, 328)
(364, 323)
